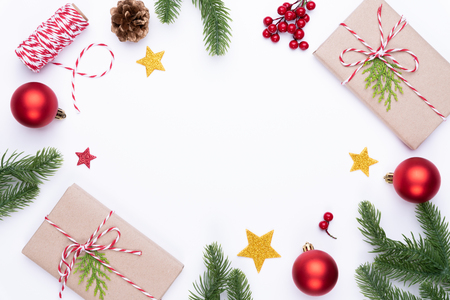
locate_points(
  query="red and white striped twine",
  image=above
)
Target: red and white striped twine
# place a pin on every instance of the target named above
(89, 247)
(381, 52)
(51, 37)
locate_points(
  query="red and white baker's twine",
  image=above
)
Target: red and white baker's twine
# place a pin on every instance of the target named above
(88, 247)
(51, 37)
(382, 53)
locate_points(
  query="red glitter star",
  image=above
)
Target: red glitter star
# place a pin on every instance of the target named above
(85, 158)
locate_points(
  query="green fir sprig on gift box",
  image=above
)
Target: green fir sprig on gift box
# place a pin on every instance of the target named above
(20, 177)
(215, 17)
(382, 78)
(423, 260)
(91, 269)
(220, 277)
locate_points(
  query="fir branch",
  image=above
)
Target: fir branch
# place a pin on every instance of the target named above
(167, 10)
(214, 280)
(90, 268)
(16, 197)
(238, 287)
(382, 77)
(433, 292)
(217, 31)
(31, 169)
(375, 286)
(436, 232)
(20, 177)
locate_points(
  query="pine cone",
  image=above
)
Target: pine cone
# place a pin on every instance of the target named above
(129, 20)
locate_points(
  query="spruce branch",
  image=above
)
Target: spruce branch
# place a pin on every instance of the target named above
(16, 197)
(214, 280)
(90, 268)
(418, 260)
(376, 286)
(20, 177)
(433, 292)
(31, 169)
(167, 10)
(382, 77)
(238, 287)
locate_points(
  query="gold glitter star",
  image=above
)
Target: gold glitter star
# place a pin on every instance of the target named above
(152, 61)
(259, 248)
(362, 161)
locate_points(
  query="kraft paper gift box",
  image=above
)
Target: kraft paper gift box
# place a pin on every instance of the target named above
(79, 215)
(410, 118)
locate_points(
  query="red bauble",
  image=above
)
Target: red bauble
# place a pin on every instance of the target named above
(416, 180)
(34, 105)
(315, 272)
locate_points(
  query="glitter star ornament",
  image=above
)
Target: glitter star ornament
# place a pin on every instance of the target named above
(152, 61)
(259, 248)
(362, 161)
(85, 158)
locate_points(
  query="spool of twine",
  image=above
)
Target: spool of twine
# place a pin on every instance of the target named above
(53, 35)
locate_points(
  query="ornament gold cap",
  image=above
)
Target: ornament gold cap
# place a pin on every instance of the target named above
(389, 177)
(60, 114)
(307, 247)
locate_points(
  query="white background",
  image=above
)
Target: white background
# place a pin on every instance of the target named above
(258, 139)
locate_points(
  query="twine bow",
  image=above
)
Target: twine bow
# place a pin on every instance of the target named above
(382, 53)
(89, 247)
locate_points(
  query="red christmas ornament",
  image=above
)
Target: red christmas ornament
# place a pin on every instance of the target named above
(416, 180)
(315, 272)
(35, 105)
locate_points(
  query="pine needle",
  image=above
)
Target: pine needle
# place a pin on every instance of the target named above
(375, 286)
(238, 287)
(17, 197)
(214, 280)
(217, 31)
(433, 292)
(167, 10)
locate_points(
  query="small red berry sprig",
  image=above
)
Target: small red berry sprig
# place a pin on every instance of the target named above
(324, 224)
(294, 13)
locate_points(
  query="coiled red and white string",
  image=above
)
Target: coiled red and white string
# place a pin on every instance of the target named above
(51, 37)
(89, 247)
(381, 52)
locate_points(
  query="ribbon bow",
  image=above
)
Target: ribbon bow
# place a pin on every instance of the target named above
(89, 247)
(382, 53)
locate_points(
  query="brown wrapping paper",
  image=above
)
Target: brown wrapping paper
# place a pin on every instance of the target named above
(409, 118)
(79, 214)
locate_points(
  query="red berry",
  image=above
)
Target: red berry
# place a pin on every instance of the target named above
(299, 34)
(289, 15)
(300, 11)
(303, 45)
(300, 23)
(323, 225)
(291, 28)
(272, 28)
(282, 26)
(328, 216)
(287, 5)
(266, 34)
(306, 18)
(310, 5)
(293, 44)
(282, 10)
(267, 21)
(275, 37)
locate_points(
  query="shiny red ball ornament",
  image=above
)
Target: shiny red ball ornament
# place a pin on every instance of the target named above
(416, 180)
(34, 105)
(315, 272)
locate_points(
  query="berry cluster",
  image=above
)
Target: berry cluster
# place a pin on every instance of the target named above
(294, 13)
(324, 224)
